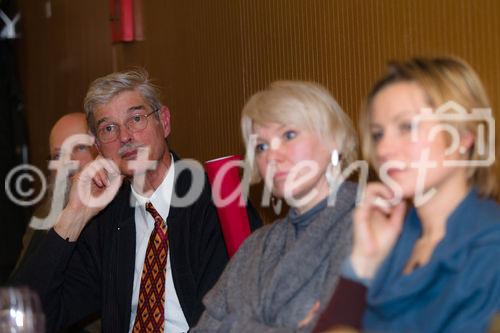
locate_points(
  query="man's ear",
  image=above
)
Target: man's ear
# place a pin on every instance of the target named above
(164, 114)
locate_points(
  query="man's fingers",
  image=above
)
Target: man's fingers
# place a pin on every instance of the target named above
(101, 171)
(110, 166)
(100, 183)
(100, 178)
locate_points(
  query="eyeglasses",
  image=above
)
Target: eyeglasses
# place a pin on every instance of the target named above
(109, 132)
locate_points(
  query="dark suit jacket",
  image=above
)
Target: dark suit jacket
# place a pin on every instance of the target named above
(95, 274)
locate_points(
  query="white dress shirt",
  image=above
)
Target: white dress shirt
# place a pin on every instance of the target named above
(175, 321)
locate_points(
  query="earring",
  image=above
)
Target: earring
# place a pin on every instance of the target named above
(333, 170)
(335, 157)
(276, 204)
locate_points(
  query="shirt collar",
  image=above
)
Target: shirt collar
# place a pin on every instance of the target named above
(162, 196)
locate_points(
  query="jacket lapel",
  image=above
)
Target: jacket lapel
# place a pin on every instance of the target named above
(125, 263)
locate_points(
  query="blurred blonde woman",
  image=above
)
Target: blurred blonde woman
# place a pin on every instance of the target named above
(429, 261)
(285, 271)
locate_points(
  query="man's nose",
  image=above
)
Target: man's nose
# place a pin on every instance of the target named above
(125, 134)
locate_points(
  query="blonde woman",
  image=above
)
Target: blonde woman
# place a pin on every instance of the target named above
(285, 270)
(430, 260)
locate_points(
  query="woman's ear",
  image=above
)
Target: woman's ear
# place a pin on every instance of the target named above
(335, 152)
(467, 140)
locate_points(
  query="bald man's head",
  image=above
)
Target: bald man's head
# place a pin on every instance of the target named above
(66, 126)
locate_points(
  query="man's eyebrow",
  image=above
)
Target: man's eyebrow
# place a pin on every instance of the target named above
(100, 121)
(136, 107)
(129, 110)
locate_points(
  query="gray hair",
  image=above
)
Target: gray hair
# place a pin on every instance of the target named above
(105, 88)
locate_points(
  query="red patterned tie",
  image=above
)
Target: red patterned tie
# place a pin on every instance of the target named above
(150, 311)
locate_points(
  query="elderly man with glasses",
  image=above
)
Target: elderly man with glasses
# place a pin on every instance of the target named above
(143, 261)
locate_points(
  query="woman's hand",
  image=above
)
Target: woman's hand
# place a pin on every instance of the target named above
(377, 226)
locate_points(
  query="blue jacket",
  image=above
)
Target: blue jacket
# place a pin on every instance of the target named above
(458, 290)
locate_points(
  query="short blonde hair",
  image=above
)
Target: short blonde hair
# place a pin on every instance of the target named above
(306, 105)
(442, 79)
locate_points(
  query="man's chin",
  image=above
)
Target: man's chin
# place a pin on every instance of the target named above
(130, 173)
(133, 168)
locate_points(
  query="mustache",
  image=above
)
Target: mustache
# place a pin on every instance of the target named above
(128, 147)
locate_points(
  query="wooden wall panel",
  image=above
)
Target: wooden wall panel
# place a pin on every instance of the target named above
(193, 49)
(210, 56)
(345, 44)
(61, 54)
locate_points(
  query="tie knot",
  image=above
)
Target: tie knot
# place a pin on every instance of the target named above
(154, 213)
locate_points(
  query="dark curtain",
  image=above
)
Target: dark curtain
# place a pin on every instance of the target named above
(13, 147)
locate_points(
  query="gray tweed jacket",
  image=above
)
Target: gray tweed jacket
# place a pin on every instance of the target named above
(275, 278)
